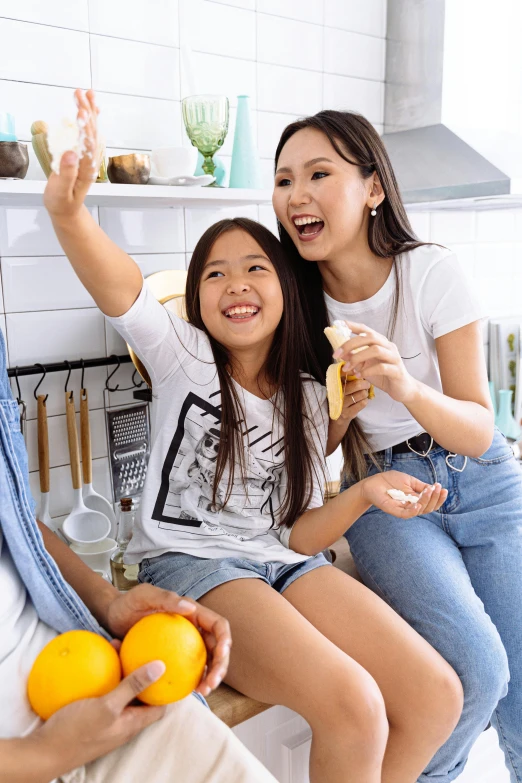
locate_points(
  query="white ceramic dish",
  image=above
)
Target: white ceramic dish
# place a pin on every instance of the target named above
(96, 556)
(187, 181)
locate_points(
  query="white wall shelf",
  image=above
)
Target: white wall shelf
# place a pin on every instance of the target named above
(29, 193)
(478, 203)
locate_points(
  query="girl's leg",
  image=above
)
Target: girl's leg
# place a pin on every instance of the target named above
(280, 658)
(422, 694)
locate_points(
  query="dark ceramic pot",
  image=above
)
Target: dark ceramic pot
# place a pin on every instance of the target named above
(14, 159)
(133, 169)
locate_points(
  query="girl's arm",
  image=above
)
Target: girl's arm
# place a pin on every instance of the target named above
(107, 272)
(321, 527)
(460, 418)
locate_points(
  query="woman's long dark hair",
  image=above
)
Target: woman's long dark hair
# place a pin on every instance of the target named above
(389, 235)
(289, 353)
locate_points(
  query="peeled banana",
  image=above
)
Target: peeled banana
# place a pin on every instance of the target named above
(338, 334)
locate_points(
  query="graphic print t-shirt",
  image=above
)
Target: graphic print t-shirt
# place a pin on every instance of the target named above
(176, 510)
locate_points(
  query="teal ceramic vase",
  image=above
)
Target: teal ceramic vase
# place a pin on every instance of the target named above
(220, 171)
(493, 396)
(504, 419)
(245, 171)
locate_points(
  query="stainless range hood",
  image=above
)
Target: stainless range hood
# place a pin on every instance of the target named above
(453, 101)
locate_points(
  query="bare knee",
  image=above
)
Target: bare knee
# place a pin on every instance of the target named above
(438, 708)
(356, 712)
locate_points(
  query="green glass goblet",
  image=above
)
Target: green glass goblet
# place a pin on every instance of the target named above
(206, 123)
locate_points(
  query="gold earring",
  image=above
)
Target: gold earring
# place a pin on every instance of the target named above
(374, 210)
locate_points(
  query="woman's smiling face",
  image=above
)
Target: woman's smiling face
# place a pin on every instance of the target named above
(321, 199)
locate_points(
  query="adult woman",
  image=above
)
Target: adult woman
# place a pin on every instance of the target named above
(454, 575)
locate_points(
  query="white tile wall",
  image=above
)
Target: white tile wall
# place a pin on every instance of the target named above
(155, 23)
(26, 56)
(291, 58)
(353, 54)
(349, 94)
(137, 123)
(488, 244)
(304, 10)
(134, 68)
(145, 230)
(288, 90)
(368, 17)
(73, 15)
(217, 28)
(288, 42)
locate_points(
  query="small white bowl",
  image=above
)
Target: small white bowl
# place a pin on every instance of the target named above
(96, 556)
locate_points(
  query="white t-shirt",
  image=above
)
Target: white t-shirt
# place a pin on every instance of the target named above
(175, 509)
(435, 299)
(22, 636)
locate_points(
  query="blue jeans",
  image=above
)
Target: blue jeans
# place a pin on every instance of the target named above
(456, 576)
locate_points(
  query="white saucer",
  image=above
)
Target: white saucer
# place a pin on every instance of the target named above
(187, 181)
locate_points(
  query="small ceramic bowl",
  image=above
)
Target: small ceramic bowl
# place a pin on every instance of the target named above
(14, 159)
(133, 169)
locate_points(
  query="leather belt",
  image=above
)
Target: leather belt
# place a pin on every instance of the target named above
(421, 444)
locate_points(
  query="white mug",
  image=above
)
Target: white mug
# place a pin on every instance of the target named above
(96, 556)
(174, 161)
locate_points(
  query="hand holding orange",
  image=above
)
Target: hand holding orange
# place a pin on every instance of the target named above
(174, 640)
(72, 666)
(81, 664)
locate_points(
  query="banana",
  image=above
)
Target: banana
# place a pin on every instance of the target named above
(337, 335)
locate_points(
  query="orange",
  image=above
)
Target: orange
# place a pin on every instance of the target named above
(74, 665)
(174, 640)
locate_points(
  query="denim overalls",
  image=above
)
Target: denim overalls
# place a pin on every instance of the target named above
(456, 576)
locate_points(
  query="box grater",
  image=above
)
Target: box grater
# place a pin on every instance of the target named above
(129, 449)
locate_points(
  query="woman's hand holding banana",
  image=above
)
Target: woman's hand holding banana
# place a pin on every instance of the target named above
(371, 356)
(348, 393)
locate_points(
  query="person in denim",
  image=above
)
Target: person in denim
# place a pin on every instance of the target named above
(454, 575)
(95, 740)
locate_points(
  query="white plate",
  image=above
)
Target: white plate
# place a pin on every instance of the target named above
(188, 181)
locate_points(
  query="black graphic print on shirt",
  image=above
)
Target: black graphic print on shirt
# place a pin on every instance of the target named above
(187, 476)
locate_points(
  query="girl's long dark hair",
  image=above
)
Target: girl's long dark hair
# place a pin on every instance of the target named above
(289, 353)
(389, 235)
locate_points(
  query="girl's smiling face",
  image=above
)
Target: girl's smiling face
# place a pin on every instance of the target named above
(321, 199)
(240, 296)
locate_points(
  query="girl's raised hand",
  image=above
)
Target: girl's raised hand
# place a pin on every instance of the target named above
(380, 362)
(375, 491)
(65, 192)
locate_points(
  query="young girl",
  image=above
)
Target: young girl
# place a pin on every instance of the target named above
(232, 509)
(455, 575)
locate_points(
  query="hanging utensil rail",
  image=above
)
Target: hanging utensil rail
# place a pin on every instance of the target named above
(36, 369)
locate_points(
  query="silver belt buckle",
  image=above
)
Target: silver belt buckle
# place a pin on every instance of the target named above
(419, 453)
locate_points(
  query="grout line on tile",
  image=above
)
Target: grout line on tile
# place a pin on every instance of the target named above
(87, 32)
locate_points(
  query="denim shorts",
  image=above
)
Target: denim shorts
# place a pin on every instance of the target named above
(196, 576)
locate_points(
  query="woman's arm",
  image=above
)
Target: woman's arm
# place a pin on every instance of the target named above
(321, 527)
(460, 418)
(107, 272)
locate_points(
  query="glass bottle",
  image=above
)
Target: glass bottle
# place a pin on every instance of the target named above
(124, 576)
